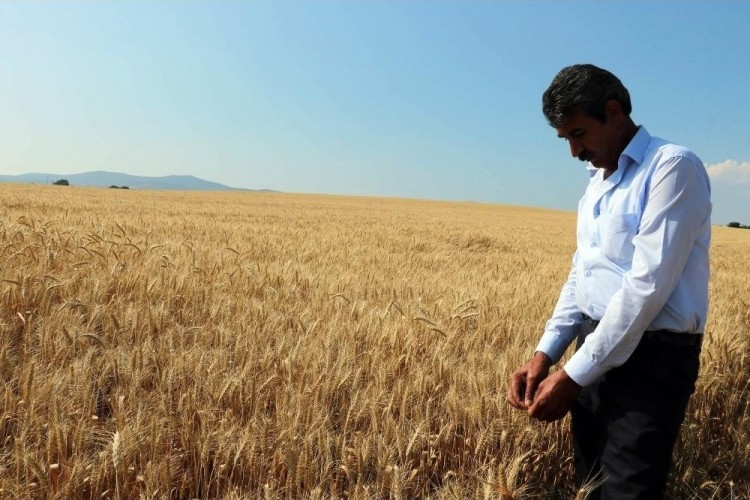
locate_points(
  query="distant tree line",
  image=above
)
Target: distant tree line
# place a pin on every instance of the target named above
(64, 182)
(737, 224)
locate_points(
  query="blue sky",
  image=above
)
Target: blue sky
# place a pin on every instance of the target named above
(435, 100)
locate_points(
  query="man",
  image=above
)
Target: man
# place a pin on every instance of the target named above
(636, 298)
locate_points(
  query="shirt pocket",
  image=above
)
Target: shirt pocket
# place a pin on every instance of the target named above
(617, 232)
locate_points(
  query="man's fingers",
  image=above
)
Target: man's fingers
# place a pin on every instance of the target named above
(540, 408)
(516, 391)
(525, 381)
(554, 398)
(531, 385)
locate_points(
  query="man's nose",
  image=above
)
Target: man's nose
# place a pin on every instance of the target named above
(575, 148)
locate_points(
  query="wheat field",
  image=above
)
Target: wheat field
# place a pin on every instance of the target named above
(262, 345)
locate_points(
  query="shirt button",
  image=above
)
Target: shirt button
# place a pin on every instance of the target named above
(587, 273)
(593, 244)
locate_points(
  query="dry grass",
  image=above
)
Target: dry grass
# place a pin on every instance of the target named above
(244, 345)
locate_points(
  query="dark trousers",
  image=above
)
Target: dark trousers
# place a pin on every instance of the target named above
(626, 424)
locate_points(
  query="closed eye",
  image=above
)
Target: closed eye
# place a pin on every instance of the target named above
(573, 134)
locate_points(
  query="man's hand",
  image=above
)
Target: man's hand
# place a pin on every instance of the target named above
(525, 380)
(554, 397)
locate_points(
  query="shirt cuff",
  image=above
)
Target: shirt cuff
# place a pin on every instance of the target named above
(552, 345)
(582, 369)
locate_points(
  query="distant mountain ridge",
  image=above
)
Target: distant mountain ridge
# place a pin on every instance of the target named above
(105, 179)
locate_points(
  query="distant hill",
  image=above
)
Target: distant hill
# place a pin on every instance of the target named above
(106, 179)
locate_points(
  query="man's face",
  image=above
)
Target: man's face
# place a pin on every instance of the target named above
(591, 140)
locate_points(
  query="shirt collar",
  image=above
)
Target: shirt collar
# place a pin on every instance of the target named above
(591, 170)
(636, 148)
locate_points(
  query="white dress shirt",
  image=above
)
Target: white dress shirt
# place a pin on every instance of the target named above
(641, 261)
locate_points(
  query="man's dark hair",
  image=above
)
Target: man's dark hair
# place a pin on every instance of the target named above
(586, 88)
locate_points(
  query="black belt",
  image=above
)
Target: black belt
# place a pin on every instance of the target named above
(666, 337)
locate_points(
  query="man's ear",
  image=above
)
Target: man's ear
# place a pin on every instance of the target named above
(613, 110)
